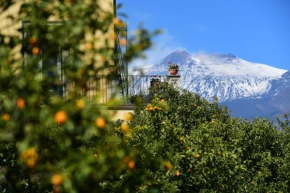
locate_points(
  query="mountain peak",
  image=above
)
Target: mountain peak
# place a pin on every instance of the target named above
(178, 56)
(229, 56)
(180, 53)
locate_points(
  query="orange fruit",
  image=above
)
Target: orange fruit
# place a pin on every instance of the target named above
(81, 104)
(177, 173)
(123, 42)
(100, 123)
(6, 117)
(33, 40)
(168, 165)
(117, 22)
(197, 155)
(60, 117)
(35, 50)
(125, 127)
(131, 165)
(29, 156)
(20, 103)
(128, 117)
(56, 179)
(90, 46)
(31, 162)
(162, 100)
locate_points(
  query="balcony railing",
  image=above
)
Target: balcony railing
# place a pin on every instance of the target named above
(103, 88)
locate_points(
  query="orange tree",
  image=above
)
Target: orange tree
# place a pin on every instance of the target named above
(48, 142)
(197, 147)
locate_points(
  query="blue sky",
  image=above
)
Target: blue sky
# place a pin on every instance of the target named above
(254, 30)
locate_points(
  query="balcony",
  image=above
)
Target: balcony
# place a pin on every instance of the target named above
(106, 87)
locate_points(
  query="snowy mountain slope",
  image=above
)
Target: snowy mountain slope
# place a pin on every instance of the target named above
(221, 75)
(272, 104)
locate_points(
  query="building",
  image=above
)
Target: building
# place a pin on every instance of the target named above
(97, 85)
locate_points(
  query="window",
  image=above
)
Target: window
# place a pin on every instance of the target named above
(49, 56)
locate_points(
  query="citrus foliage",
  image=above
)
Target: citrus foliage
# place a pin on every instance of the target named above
(49, 142)
(178, 142)
(199, 148)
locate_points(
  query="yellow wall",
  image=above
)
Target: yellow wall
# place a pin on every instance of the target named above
(7, 26)
(119, 114)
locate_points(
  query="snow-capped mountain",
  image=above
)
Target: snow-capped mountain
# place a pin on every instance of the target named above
(222, 75)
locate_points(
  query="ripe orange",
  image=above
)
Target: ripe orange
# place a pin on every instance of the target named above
(100, 122)
(90, 46)
(168, 165)
(81, 104)
(56, 179)
(31, 162)
(20, 103)
(197, 155)
(177, 173)
(35, 50)
(123, 42)
(60, 117)
(128, 117)
(33, 40)
(125, 127)
(131, 165)
(117, 22)
(30, 156)
(6, 117)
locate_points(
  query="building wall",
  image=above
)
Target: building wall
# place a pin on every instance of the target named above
(98, 39)
(7, 26)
